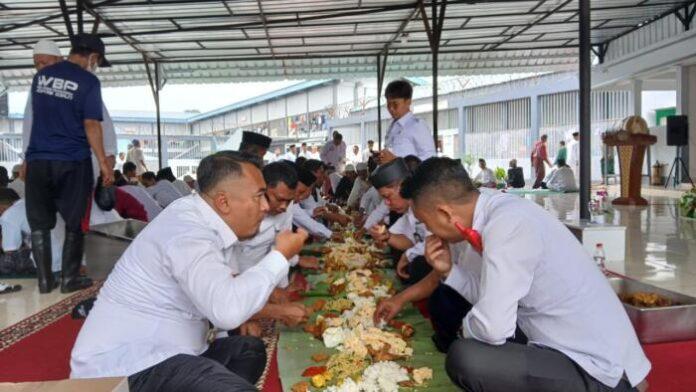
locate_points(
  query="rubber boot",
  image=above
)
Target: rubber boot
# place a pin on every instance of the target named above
(72, 260)
(41, 250)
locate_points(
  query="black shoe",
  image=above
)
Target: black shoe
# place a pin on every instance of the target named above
(72, 260)
(441, 343)
(41, 249)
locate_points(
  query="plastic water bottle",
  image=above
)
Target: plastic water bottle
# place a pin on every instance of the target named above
(600, 257)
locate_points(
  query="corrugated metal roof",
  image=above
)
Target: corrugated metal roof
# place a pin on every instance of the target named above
(212, 41)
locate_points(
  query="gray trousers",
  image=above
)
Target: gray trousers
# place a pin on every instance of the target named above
(475, 366)
(234, 364)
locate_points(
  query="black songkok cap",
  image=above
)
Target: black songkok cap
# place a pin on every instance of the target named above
(256, 139)
(390, 173)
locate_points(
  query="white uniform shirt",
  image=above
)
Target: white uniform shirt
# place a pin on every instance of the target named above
(303, 219)
(410, 135)
(248, 253)
(18, 186)
(409, 226)
(16, 232)
(535, 274)
(574, 154)
(360, 186)
(354, 158)
(312, 202)
(561, 179)
(136, 156)
(182, 187)
(370, 200)
(152, 208)
(485, 176)
(172, 280)
(378, 215)
(366, 154)
(334, 179)
(164, 192)
(334, 155)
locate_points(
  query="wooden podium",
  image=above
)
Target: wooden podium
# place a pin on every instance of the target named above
(631, 148)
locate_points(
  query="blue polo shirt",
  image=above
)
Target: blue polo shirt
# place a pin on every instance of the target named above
(63, 96)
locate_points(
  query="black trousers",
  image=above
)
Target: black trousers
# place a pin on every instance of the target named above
(475, 366)
(447, 309)
(234, 364)
(58, 186)
(417, 270)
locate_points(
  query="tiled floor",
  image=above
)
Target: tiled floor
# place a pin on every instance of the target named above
(660, 250)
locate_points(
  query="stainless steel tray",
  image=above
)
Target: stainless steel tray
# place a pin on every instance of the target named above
(105, 243)
(656, 325)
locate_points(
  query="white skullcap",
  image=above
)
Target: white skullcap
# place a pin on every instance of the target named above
(349, 168)
(188, 178)
(16, 168)
(361, 166)
(46, 46)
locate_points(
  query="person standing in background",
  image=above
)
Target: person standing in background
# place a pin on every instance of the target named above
(66, 122)
(562, 154)
(334, 152)
(574, 154)
(355, 157)
(407, 134)
(539, 157)
(137, 156)
(369, 152)
(17, 183)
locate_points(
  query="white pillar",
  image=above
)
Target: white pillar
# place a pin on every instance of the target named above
(686, 104)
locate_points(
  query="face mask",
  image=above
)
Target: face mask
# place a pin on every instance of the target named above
(92, 67)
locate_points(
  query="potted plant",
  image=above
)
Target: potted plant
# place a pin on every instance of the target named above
(501, 177)
(687, 204)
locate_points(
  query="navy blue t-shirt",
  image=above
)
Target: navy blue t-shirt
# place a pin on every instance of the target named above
(63, 95)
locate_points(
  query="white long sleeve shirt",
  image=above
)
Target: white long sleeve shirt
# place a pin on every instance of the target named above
(574, 154)
(360, 186)
(535, 274)
(378, 215)
(408, 225)
(16, 232)
(313, 201)
(170, 282)
(334, 155)
(370, 200)
(248, 253)
(164, 192)
(562, 180)
(410, 135)
(303, 219)
(485, 176)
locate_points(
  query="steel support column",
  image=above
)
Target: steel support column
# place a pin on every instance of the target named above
(159, 119)
(585, 120)
(381, 70)
(434, 34)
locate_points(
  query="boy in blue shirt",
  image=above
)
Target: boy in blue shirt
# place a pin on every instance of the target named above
(66, 99)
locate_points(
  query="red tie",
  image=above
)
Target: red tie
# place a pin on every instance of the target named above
(472, 236)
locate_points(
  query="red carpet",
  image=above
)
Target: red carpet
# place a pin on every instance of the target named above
(673, 366)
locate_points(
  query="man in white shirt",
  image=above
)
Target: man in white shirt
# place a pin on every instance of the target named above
(369, 151)
(315, 205)
(315, 154)
(302, 217)
(16, 231)
(574, 154)
(355, 157)
(370, 200)
(160, 189)
(360, 186)
(180, 186)
(291, 155)
(407, 134)
(485, 177)
(17, 183)
(151, 319)
(129, 174)
(561, 179)
(120, 160)
(334, 152)
(304, 151)
(137, 156)
(531, 272)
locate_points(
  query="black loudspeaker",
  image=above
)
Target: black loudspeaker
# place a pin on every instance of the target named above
(677, 131)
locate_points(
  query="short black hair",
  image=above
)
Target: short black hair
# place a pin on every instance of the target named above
(481, 160)
(4, 177)
(412, 162)
(441, 177)
(166, 174)
(149, 176)
(300, 161)
(399, 89)
(562, 143)
(282, 171)
(305, 176)
(221, 165)
(544, 136)
(128, 166)
(8, 196)
(313, 165)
